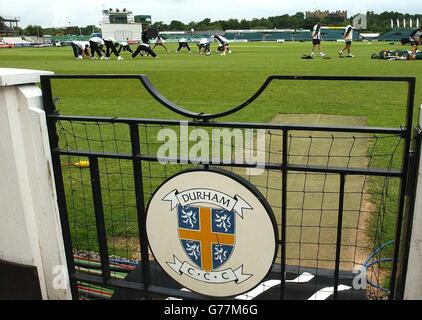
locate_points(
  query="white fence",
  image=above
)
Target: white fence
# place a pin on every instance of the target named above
(413, 288)
(30, 232)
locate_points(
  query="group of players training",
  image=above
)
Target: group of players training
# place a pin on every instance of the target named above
(414, 39)
(98, 48)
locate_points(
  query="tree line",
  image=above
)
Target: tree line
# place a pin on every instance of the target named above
(38, 31)
(376, 23)
(382, 22)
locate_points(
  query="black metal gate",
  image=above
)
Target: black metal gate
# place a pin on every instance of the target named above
(333, 207)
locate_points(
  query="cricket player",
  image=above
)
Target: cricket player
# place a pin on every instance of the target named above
(144, 35)
(183, 43)
(316, 39)
(143, 47)
(348, 38)
(204, 46)
(415, 39)
(124, 45)
(80, 49)
(110, 44)
(223, 45)
(96, 45)
(160, 42)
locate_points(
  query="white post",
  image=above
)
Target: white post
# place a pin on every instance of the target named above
(30, 232)
(413, 286)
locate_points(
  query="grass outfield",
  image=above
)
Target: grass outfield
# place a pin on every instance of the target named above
(216, 83)
(212, 84)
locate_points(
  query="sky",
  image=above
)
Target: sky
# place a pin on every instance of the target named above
(48, 13)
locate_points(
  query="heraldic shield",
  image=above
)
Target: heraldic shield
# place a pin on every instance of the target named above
(207, 235)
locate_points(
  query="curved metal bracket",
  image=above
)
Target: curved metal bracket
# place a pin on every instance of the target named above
(204, 116)
(146, 83)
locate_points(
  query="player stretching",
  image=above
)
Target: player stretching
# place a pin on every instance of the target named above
(144, 47)
(204, 46)
(96, 44)
(348, 37)
(183, 43)
(316, 39)
(80, 49)
(415, 39)
(124, 46)
(160, 42)
(110, 45)
(223, 44)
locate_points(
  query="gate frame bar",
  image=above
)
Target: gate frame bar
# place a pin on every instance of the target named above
(52, 116)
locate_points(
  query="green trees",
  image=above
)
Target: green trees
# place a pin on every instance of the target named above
(33, 30)
(382, 22)
(38, 31)
(176, 25)
(376, 23)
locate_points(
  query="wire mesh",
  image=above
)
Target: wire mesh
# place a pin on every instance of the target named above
(370, 201)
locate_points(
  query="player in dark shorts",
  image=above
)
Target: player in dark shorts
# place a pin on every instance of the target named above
(204, 46)
(220, 49)
(145, 36)
(144, 47)
(183, 43)
(97, 46)
(223, 46)
(348, 38)
(110, 45)
(160, 42)
(124, 46)
(316, 40)
(80, 49)
(415, 39)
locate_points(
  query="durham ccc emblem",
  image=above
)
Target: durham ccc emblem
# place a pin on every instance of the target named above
(212, 232)
(207, 235)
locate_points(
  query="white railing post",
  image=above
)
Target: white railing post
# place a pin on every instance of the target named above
(413, 286)
(30, 232)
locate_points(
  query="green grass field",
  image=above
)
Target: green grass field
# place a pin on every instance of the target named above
(216, 83)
